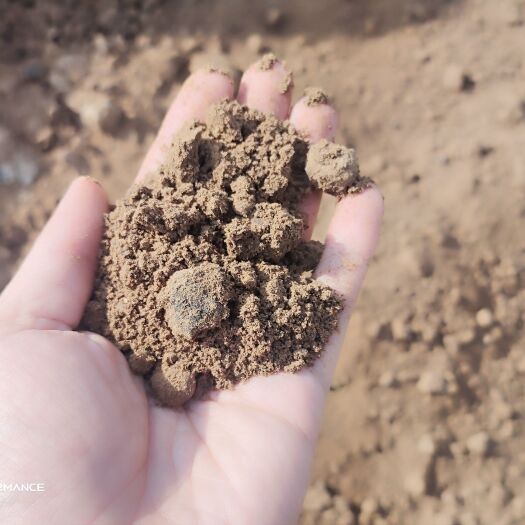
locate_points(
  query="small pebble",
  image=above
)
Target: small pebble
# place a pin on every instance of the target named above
(415, 484)
(255, 44)
(275, 18)
(432, 382)
(22, 169)
(45, 138)
(427, 445)
(387, 379)
(110, 118)
(478, 444)
(456, 79)
(400, 329)
(90, 106)
(369, 509)
(35, 71)
(484, 318)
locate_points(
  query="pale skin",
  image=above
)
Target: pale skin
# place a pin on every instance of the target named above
(72, 415)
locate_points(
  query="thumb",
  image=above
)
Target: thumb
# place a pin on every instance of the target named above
(52, 286)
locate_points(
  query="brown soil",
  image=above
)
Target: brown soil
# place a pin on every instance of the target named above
(267, 61)
(316, 96)
(199, 282)
(425, 421)
(334, 169)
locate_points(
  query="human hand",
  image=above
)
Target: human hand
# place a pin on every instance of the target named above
(75, 419)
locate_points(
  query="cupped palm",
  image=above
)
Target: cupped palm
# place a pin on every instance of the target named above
(75, 420)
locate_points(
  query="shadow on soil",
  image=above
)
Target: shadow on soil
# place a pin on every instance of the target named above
(25, 25)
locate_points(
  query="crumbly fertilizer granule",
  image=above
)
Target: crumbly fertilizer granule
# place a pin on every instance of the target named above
(204, 277)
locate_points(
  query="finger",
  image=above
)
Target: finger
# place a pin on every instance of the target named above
(267, 86)
(309, 207)
(315, 122)
(51, 288)
(351, 241)
(197, 94)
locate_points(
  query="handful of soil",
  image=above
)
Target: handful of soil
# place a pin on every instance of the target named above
(204, 277)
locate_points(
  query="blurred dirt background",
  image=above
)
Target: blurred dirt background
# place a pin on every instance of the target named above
(425, 420)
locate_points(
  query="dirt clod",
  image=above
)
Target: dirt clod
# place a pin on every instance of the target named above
(196, 299)
(204, 278)
(334, 169)
(172, 384)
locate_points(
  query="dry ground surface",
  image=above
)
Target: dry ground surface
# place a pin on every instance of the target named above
(425, 420)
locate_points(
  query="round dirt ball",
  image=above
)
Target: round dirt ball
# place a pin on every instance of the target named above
(332, 168)
(172, 384)
(197, 299)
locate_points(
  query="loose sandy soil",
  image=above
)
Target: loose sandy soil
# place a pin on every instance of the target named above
(425, 421)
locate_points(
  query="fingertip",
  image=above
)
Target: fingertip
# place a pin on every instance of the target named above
(79, 218)
(267, 86)
(213, 80)
(200, 90)
(314, 121)
(92, 189)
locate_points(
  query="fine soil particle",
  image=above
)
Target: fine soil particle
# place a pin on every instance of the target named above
(334, 169)
(204, 277)
(286, 84)
(267, 61)
(215, 69)
(315, 96)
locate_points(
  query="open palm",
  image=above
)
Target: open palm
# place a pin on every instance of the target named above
(74, 420)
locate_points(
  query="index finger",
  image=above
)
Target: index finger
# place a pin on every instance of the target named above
(200, 91)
